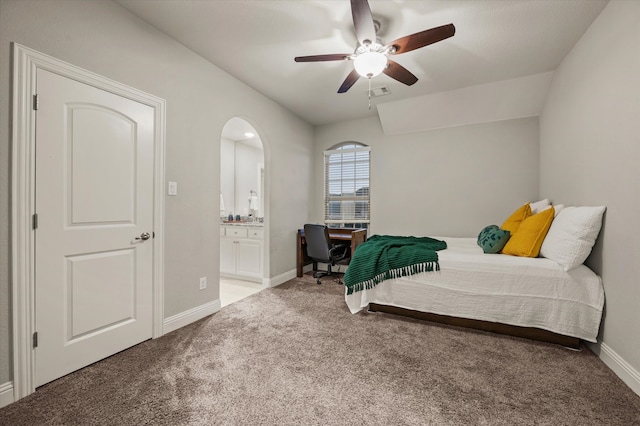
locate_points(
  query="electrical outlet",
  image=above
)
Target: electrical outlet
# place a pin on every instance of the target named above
(203, 283)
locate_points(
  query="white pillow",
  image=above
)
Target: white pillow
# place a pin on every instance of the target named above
(558, 208)
(572, 235)
(538, 206)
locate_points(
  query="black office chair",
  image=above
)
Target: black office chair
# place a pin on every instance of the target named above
(320, 249)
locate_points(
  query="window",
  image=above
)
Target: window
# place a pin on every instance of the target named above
(346, 186)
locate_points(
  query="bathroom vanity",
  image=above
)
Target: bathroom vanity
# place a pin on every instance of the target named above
(242, 250)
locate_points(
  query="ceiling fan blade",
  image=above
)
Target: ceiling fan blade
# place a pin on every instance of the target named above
(421, 39)
(363, 21)
(349, 81)
(318, 58)
(400, 73)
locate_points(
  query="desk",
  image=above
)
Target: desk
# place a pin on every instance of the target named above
(356, 236)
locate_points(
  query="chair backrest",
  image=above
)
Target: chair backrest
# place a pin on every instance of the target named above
(318, 242)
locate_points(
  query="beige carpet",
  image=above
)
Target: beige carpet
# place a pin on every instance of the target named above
(294, 355)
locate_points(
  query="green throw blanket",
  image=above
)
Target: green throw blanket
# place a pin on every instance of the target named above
(384, 257)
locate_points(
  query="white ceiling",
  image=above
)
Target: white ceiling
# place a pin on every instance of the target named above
(256, 41)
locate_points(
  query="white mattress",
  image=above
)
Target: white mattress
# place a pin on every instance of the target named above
(527, 292)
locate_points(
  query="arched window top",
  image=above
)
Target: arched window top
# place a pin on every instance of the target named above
(347, 145)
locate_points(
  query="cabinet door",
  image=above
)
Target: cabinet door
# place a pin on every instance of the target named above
(228, 255)
(249, 262)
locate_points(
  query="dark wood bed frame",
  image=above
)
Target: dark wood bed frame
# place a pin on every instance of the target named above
(511, 330)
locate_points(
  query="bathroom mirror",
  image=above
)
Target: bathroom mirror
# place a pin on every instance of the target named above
(241, 172)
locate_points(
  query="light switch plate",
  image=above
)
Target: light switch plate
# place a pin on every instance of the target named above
(173, 188)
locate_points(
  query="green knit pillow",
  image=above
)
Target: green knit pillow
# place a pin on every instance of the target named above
(492, 239)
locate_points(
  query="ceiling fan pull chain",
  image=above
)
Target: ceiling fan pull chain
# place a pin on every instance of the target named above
(369, 92)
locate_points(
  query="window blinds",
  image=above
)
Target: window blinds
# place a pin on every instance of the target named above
(346, 185)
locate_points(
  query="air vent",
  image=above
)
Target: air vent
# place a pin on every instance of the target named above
(379, 91)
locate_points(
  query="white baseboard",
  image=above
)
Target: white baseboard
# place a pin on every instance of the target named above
(192, 315)
(280, 279)
(289, 275)
(618, 365)
(6, 394)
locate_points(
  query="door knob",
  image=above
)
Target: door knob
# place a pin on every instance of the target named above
(144, 236)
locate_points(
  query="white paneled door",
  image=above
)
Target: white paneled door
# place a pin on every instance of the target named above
(94, 204)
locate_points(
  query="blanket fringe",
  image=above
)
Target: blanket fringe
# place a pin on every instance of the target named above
(394, 273)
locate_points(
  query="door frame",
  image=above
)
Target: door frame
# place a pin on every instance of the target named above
(26, 61)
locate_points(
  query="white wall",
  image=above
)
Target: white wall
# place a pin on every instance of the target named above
(589, 155)
(445, 182)
(103, 37)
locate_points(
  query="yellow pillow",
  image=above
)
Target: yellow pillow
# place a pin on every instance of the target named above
(513, 222)
(526, 242)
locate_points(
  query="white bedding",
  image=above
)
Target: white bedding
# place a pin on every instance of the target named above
(527, 292)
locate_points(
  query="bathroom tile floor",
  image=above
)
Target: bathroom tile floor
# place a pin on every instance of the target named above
(232, 290)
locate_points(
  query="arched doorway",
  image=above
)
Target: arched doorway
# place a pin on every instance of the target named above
(242, 211)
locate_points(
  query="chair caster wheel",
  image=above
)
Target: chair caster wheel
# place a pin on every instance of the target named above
(318, 282)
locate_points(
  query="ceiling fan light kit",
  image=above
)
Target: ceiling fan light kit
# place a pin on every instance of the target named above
(371, 58)
(370, 64)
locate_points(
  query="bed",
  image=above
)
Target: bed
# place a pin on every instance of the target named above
(530, 297)
(517, 291)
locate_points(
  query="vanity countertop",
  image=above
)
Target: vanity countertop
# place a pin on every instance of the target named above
(242, 223)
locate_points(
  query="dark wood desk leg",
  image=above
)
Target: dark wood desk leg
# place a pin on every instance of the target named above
(357, 238)
(299, 255)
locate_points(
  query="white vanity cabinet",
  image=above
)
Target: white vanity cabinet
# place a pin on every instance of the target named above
(241, 252)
